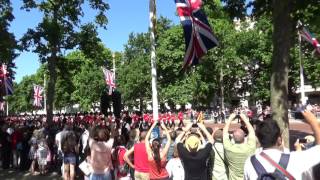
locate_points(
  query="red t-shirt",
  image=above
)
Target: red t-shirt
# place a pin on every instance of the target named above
(141, 158)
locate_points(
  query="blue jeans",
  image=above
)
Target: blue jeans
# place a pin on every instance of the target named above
(106, 176)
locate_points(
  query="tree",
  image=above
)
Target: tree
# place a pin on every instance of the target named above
(133, 75)
(22, 98)
(8, 43)
(284, 17)
(57, 33)
(88, 83)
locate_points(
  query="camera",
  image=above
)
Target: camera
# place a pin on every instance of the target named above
(195, 125)
(303, 140)
(237, 116)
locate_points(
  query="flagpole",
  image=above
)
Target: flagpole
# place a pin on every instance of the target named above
(114, 65)
(44, 94)
(7, 104)
(302, 90)
(152, 17)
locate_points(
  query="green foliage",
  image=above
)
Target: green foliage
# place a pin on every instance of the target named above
(61, 30)
(88, 83)
(22, 98)
(8, 44)
(133, 75)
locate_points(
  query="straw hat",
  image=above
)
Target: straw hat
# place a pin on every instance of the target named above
(193, 143)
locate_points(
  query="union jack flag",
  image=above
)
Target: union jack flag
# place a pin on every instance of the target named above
(109, 78)
(7, 81)
(198, 35)
(37, 95)
(306, 35)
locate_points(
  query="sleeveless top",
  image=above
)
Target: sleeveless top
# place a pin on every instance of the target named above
(153, 170)
(140, 158)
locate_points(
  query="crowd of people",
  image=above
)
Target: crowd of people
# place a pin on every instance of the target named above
(98, 147)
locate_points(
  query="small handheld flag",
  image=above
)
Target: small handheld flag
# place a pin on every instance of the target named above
(198, 35)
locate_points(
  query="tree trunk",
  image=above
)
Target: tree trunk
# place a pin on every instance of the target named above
(282, 24)
(141, 104)
(51, 86)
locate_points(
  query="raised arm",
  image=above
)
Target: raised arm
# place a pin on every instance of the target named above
(165, 150)
(313, 122)
(248, 124)
(146, 140)
(181, 135)
(226, 129)
(206, 132)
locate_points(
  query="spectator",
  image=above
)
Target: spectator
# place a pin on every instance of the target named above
(120, 166)
(220, 165)
(140, 158)
(194, 159)
(5, 147)
(236, 153)
(157, 159)
(101, 144)
(42, 154)
(295, 163)
(70, 149)
(33, 150)
(174, 166)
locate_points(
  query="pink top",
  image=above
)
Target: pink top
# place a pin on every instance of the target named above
(101, 161)
(141, 158)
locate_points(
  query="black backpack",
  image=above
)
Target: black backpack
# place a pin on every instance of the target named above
(276, 175)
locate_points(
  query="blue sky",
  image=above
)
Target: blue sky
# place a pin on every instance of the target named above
(124, 17)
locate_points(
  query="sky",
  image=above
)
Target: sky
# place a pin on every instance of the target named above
(124, 17)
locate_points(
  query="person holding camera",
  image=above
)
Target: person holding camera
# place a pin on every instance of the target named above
(238, 151)
(157, 159)
(193, 157)
(273, 161)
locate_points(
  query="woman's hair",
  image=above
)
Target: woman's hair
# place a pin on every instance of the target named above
(100, 134)
(119, 140)
(155, 146)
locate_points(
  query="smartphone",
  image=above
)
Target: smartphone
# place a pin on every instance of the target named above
(298, 113)
(302, 140)
(194, 125)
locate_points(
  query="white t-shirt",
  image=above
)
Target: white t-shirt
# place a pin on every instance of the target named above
(175, 169)
(84, 139)
(299, 162)
(58, 140)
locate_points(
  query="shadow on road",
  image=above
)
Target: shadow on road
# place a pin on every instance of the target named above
(25, 175)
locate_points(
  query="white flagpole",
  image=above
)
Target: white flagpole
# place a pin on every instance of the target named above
(152, 17)
(44, 94)
(114, 65)
(302, 90)
(7, 108)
